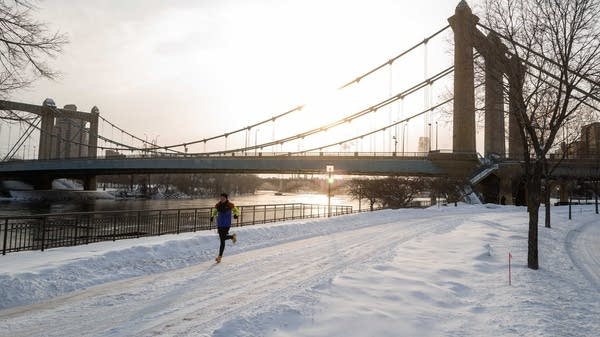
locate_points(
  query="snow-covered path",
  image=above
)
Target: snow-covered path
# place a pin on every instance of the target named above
(584, 249)
(198, 299)
(437, 272)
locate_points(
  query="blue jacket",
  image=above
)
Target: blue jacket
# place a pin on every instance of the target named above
(223, 211)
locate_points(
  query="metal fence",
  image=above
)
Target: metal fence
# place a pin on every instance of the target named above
(43, 231)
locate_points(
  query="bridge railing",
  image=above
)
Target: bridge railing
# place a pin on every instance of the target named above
(43, 231)
(249, 154)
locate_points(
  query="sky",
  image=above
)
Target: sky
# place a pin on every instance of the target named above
(174, 71)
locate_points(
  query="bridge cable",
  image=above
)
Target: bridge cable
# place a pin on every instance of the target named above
(300, 107)
(545, 58)
(17, 146)
(407, 119)
(346, 119)
(390, 61)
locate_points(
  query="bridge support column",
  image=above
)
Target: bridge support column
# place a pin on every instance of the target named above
(89, 183)
(506, 192)
(93, 141)
(46, 130)
(463, 24)
(515, 139)
(494, 98)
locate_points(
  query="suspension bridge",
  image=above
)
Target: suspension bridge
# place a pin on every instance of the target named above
(81, 145)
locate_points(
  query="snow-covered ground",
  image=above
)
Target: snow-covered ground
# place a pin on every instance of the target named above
(436, 272)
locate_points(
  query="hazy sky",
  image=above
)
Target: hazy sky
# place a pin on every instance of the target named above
(182, 69)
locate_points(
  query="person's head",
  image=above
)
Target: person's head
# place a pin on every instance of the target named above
(223, 197)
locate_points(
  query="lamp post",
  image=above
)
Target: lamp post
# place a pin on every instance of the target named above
(429, 139)
(395, 144)
(403, 136)
(436, 136)
(255, 140)
(329, 169)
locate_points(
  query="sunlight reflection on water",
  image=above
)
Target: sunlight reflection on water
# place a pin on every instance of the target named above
(260, 198)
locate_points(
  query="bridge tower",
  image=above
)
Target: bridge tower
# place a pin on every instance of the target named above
(498, 67)
(463, 24)
(62, 135)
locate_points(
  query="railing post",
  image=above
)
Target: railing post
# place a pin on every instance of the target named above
(284, 217)
(5, 237)
(241, 220)
(43, 232)
(275, 213)
(265, 215)
(87, 230)
(178, 219)
(253, 214)
(195, 218)
(159, 221)
(114, 227)
(138, 223)
(76, 226)
(293, 207)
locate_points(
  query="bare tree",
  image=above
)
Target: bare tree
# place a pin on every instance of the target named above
(554, 68)
(398, 192)
(25, 45)
(365, 189)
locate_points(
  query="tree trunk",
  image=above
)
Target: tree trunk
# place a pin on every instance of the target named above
(547, 191)
(533, 206)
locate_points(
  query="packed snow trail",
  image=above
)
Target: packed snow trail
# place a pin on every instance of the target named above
(583, 245)
(198, 299)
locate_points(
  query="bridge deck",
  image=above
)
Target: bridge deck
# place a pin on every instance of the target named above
(378, 165)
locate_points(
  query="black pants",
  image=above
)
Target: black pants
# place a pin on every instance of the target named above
(223, 236)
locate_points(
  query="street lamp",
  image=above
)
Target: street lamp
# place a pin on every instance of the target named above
(395, 144)
(429, 139)
(255, 140)
(436, 135)
(329, 169)
(403, 136)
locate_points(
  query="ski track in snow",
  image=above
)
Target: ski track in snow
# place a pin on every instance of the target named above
(197, 300)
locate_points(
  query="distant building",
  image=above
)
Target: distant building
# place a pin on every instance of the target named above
(587, 146)
(424, 144)
(590, 137)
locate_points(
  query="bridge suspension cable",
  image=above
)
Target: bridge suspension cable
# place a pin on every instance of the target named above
(346, 119)
(134, 136)
(22, 139)
(406, 119)
(300, 107)
(545, 58)
(393, 59)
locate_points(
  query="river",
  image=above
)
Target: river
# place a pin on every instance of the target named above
(13, 207)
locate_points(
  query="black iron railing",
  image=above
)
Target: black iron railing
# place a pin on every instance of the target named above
(43, 231)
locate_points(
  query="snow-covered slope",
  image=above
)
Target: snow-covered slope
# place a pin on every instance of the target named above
(435, 272)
